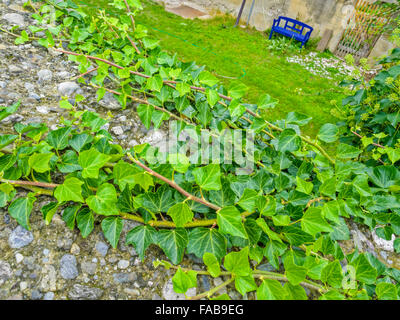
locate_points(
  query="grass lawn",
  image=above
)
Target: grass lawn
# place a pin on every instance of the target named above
(242, 53)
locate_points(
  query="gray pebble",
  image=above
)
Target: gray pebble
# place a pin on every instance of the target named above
(68, 267)
(20, 237)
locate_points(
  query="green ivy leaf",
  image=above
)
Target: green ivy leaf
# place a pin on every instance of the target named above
(267, 102)
(183, 281)
(69, 215)
(237, 90)
(208, 79)
(105, 200)
(91, 162)
(345, 151)
(212, 264)
(386, 291)
(141, 237)
(270, 290)
(7, 139)
(112, 228)
(202, 240)
(21, 209)
(328, 133)
(85, 222)
(238, 262)
(40, 161)
(229, 221)
(208, 177)
(70, 190)
(48, 211)
(180, 214)
(245, 284)
(313, 222)
(295, 292)
(173, 243)
(59, 138)
(179, 162)
(145, 113)
(364, 271)
(289, 141)
(332, 274)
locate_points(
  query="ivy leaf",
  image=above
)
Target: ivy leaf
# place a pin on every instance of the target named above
(345, 151)
(267, 102)
(91, 162)
(124, 174)
(155, 83)
(21, 209)
(69, 162)
(40, 161)
(58, 139)
(238, 262)
(270, 290)
(332, 295)
(180, 214)
(85, 222)
(69, 215)
(295, 292)
(141, 237)
(183, 281)
(296, 236)
(328, 188)
(212, 97)
(237, 90)
(266, 205)
(332, 274)
(48, 211)
(79, 141)
(202, 240)
(112, 227)
(386, 291)
(105, 200)
(6, 111)
(212, 264)
(173, 243)
(145, 113)
(229, 221)
(208, 79)
(70, 190)
(328, 133)
(245, 284)
(208, 177)
(289, 141)
(297, 119)
(313, 222)
(248, 200)
(271, 234)
(364, 271)
(304, 186)
(295, 274)
(7, 139)
(183, 88)
(179, 162)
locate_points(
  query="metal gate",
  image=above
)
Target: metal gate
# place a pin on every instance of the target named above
(363, 30)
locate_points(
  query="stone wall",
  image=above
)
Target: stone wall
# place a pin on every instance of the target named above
(320, 14)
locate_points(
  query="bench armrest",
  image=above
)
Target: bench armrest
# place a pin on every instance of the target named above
(276, 22)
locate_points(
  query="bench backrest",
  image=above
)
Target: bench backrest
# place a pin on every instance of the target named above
(293, 25)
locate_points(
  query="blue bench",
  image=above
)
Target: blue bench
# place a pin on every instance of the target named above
(292, 28)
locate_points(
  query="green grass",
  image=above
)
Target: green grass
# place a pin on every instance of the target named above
(229, 52)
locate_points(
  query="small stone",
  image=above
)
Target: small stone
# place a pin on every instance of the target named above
(133, 143)
(81, 292)
(110, 102)
(156, 297)
(3, 84)
(68, 267)
(75, 249)
(35, 96)
(123, 264)
(15, 19)
(49, 278)
(19, 257)
(387, 245)
(5, 270)
(46, 252)
(132, 292)
(42, 109)
(48, 296)
(101, 248)
(117, 130)
(64, 75)
(19, 238)
(23, 285)
(89, 267)
(35, 294)
(45, 75)
(29, 86)
(14, 69)
(68, 88)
